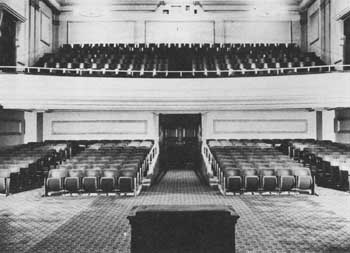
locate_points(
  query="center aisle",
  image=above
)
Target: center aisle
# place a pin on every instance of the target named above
(180, 181)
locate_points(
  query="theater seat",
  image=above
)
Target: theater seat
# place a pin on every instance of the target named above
(73, 181)
(304, 179)
(127, 179)
(55, 180)
(91, 179)
(108, 181)
(251, 179)
(268, 179)
(4, 181)
(233, 179)
(286, 180)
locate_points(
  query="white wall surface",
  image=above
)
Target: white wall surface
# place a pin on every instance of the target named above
(96, 125)
(30, 127)
(258, 32)
(180, 31)
(179, 27)
(101, 32)
(260, 124)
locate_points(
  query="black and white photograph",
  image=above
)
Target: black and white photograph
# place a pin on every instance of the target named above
(174, 126)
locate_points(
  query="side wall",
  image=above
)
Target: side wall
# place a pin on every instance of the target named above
(325, 29)
(99, 125)
(12, 127)
(34, 37)
(260, 125)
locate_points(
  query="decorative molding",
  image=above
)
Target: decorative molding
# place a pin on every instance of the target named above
(158, 94)
(55, 22)
(18, 16)
(316, 17)
(344, 14)
(342, 125)
(100, 127)
(257, 122)
(11, 127)
(45, 38)
(35, 4)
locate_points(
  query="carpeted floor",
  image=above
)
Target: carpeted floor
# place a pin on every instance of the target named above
(285, 223)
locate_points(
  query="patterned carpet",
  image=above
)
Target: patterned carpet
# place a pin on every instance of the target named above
(295, 223)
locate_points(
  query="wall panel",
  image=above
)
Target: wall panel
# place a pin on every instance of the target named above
(261, 124)
(100, 32)
(180, 31)
(257, 31)
(99, 125)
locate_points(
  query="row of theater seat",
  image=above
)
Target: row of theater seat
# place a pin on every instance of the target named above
(23, 167)
(256, 166)
(329, 161)
(180, 60)
(103, 167)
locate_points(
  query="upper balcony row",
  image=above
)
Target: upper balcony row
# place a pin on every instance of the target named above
(178, 60)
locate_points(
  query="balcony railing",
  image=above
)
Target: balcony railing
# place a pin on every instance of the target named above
(173, 73)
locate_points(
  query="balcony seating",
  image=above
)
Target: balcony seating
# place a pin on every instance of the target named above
(24, 167)
(329, 162)
(179, 61)
(257, 166)
(110, 166)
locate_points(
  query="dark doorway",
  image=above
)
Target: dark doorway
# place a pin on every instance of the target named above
(8, 41)
(180, 141)
(347, 42)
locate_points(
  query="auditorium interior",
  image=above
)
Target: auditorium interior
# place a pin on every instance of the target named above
(109, 105)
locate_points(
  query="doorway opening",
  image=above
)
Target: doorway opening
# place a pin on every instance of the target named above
(180, 141)
(8, 41)
(347, 42)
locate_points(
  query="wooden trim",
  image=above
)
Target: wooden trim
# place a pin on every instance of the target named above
(314, 41)
(20, 126)
(337, 126)
(18, 16)
(344, 14)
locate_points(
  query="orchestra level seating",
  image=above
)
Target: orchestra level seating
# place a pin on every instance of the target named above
(103, 167)
(179, 60)
(256, 166)
(24, 166)
(328, 161)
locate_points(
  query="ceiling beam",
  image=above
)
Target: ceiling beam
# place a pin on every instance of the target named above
(53, 4)
(305, 4)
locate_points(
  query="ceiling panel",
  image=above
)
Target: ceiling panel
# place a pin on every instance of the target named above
(143, 2)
